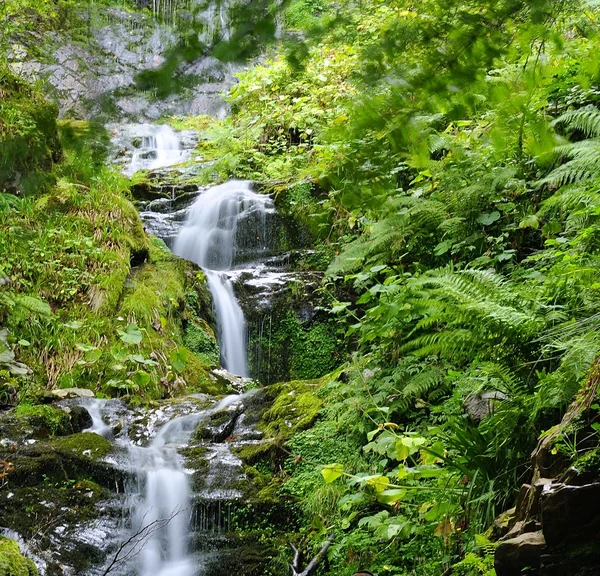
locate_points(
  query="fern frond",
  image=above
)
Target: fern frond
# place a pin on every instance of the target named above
(586, 120)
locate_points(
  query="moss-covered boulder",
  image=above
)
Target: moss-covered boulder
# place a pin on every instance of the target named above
(12, 562)
(29, 142)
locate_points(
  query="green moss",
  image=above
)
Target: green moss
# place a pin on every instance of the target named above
(12, 562)
(28, 135)
(43, 417)
(201, 341)
(84, 444)
(295, 408)
(195, 457)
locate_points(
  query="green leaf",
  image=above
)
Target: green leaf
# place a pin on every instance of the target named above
(442, 247)
(131, 334)
(391, 495)
(141, 379)
(75, 325)
(24, 343)
(531, 221)
(178, 358)
(332, 472)
(487, 219)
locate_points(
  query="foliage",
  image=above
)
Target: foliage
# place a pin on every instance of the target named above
(448, 156)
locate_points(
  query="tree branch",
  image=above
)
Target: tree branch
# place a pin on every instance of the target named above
(312, 565)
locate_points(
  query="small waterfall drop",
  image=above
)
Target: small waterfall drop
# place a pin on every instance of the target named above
(226, 226)
(155, 146)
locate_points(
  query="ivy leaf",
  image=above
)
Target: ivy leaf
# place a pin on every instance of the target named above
(332, 472)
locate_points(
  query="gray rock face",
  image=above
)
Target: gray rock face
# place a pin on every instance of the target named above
(524, 551)
(95, 78)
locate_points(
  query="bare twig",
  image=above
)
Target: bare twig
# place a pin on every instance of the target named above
(134, 544)
(312, 565)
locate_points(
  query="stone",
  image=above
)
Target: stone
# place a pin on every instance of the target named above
(63, 393)
(516, 554)
(502, 524)
(480, 405)
(571, 514)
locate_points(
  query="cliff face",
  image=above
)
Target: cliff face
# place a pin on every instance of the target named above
(88, 61)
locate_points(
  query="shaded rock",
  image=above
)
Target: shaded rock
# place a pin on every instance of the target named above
(571, 514)
(524, 551)
(502, 524)
(478, 406)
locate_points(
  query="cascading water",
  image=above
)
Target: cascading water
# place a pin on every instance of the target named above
(154, 146)
(225, 226)
(159, 500)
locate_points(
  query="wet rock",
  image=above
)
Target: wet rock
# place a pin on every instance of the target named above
(80, 418)
(571, 514)
(516, 554)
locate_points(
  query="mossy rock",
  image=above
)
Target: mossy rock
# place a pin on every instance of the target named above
(43, 421)
(84, 444)
(12, 562)
(295, 408)
(29, 142)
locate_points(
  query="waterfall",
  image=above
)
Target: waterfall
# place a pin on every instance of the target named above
(226, 226)
(159, 500)
(156, 146)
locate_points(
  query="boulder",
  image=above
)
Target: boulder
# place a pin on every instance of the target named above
(63, 393)
(571, 514)
(524, 551)
(480, 405)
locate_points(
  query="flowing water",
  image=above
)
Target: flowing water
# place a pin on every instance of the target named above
(159, 504)
(226, 226)
(150, 146)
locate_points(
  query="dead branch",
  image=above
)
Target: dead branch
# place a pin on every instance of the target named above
(312, 565)
(135, 543)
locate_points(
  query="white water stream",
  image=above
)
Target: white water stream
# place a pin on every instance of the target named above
(157, 146)
(225, 223)
(160, 500)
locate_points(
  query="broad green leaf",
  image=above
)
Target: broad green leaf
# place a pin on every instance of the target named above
(75, 325)
(178, 358)
(332, 472)
(487, 219)
(131, 334)
(531, 221)
(141, 378)
(391, 495)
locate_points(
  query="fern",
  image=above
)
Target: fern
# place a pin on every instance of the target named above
(586, 120)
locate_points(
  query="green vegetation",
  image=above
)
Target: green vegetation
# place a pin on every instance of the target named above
(12, 563)
(447, 155)
(442, 158)
(88, 300)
